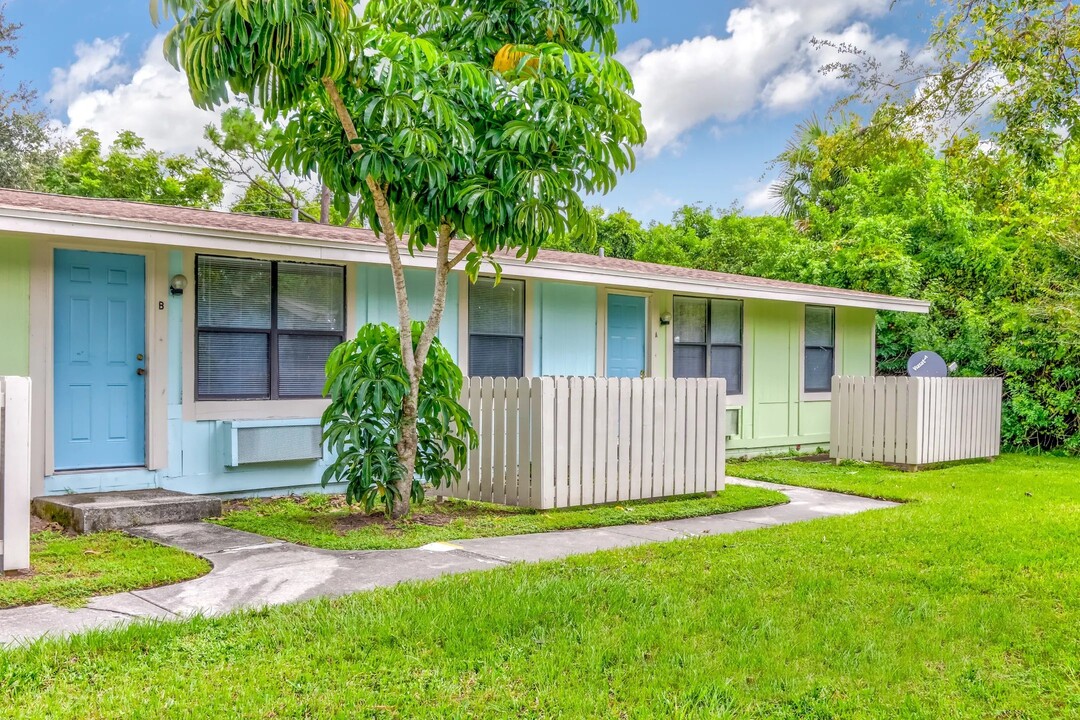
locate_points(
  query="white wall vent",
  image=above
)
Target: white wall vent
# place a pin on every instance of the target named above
(248, 442)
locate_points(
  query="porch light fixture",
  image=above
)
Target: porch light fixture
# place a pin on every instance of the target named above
(665, 318)
(177, 285)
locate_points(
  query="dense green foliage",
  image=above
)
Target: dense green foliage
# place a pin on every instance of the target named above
(26, 147)
(994, 247)
(366, 381)
(131, 171)
(962, 603)
(499, 157)
(320, 520)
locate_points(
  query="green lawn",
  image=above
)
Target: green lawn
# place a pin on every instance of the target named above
(962, 604)
(70, 570)
(324, 521)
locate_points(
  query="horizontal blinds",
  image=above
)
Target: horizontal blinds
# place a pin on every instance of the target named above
(819, 326)
(302, 364)
(497, 309)
(233, 293)
(233, 365)
(493, 356)
(310, 297)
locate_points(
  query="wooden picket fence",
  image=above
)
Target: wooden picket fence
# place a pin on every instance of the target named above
(565, 442)
(14, 474)
(915, 421)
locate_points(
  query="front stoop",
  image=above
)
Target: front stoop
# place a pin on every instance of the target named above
(94, 512)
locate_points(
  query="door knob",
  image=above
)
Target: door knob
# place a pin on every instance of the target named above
(140, 371)
(139, 357)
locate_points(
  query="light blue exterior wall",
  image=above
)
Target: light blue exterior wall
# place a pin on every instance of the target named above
(562, 326)
(196, 460)
(564, 329)
(376, 303)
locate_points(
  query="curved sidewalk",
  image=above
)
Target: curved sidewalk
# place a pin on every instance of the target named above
(254, 571)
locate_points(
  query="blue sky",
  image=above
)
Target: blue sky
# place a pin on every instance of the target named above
(722, 83)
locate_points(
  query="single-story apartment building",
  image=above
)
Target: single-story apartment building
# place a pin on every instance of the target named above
(184, 349)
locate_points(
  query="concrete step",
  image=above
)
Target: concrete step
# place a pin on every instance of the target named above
(94, 512)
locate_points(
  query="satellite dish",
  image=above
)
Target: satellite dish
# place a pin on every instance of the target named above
(926, 363)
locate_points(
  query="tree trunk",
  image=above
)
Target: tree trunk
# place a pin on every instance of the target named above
(324, 206)
(412, 356)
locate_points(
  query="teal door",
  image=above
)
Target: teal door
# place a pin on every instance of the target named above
(625, 336)
(99, 380)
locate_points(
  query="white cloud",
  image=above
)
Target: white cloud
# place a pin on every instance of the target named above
(99, 92)
(803, 81)
(96, 64)
(765, 59)
(759, 200)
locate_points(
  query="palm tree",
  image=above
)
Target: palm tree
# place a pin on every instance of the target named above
(800, 185)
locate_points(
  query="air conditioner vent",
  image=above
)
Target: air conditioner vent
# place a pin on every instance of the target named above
(252, 442)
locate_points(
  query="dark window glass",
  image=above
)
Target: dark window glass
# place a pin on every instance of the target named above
(819, 355)
(708, 337)
(497, 328)
(265, 329)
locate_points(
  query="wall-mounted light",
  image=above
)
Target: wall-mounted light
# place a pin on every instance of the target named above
(177, 285)
(665, 318)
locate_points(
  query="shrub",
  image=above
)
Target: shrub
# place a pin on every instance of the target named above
(366, 382)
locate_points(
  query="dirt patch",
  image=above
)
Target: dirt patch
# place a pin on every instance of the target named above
(39, 525)
(432, 514)
(816, 458)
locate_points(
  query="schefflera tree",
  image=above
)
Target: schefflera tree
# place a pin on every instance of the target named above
(468, 128)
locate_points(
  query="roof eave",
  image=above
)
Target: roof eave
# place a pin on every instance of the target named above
(28, 221)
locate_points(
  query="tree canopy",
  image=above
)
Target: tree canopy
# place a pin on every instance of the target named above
(26, 147)
(479, 120)
(129, 170)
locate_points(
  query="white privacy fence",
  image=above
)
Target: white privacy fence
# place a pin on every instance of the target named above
(14, 473)
(564, 442)
(915, 421)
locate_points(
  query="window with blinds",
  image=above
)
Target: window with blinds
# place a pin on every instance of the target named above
(264, 329)
(497, 328)
(708, 340)
(819, 343)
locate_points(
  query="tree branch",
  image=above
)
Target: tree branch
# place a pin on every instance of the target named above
(438, 305)
(386, 219)
(461, 255)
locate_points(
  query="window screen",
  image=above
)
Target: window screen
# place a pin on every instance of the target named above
(497, 328)
(819, 348)
(265, 329)
(708, 338)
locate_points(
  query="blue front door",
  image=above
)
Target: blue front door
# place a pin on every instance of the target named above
(99, 382)
(625, 336)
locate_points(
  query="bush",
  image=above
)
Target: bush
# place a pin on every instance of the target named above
(366, 382)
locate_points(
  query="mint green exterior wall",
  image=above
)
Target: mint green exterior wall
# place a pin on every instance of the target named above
(564, 329)
(14, 306)
(774, 413)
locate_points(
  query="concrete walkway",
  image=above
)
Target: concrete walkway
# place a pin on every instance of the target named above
(252, 571)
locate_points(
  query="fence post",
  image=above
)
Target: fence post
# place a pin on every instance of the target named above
(14, 473)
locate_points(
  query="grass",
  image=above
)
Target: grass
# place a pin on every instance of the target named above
(324, 521)
(963, 603)
(70, 570)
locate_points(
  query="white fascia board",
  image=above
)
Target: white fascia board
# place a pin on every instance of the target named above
(22, 221)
